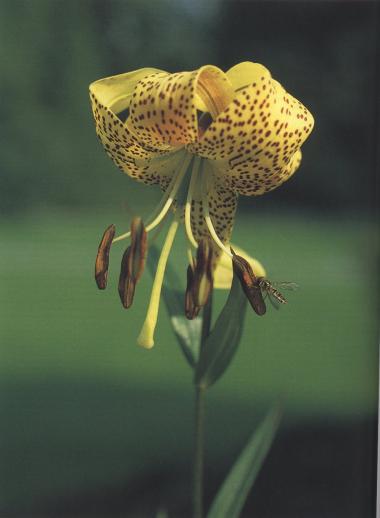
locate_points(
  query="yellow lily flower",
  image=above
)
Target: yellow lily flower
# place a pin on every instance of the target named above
(204, 137)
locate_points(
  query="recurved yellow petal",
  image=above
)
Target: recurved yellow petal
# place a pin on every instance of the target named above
(115, 92)
(245, 73)
(110, 97)
(254, 143)
(163, 110)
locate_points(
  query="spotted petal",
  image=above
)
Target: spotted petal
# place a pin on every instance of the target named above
(222, 203)
(110, 100)
(254, 144)
(164, 107)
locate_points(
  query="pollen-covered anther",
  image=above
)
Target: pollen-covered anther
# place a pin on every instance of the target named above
(191, 310)
(133, 262)
(249, 282)
(102, 257)
(199, 280)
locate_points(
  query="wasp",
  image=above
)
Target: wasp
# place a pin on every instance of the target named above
(269, 289)
(257, 289)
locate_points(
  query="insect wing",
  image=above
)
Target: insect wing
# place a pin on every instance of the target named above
(273, 300)
(275, 297)
(290, 286)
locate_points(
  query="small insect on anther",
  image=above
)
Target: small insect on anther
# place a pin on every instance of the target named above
(274, 295)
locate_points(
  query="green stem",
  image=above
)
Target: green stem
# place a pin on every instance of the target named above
(199, 423)
(198, 452)
(206, 320)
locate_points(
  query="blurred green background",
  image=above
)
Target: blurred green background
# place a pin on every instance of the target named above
(95, 426)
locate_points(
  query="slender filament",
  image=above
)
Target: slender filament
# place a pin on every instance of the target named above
(193, 182)
(207, 217)
(190, 256)
(166, 201)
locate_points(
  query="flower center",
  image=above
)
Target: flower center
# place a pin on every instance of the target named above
(199, 178)
(166, 201)
(207, 217)
(199, 186)
(189, 200)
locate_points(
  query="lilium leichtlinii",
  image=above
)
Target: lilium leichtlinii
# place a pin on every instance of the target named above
(204, 137)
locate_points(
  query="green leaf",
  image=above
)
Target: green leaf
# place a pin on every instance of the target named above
(233, 493)
(220, 346)
(187, 332)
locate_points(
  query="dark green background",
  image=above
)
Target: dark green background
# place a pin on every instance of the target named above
(91, 424)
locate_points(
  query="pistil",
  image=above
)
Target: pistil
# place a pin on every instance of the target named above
(146, 336)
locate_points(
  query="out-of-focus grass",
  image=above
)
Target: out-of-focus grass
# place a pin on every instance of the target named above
(318, 349)
(83, 405)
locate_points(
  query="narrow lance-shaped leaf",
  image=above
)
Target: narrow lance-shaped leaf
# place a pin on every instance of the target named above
(233, 493)
(221, 344)
(188, 332)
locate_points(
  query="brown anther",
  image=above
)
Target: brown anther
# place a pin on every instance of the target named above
(249, 282)
(127, 284)
(191, 310)
(203, 280)
(199, 280)
(102, 257)
(133, 262)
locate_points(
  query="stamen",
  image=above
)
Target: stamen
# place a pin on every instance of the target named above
(191, 310)
(193, 181)
(166, 201)
(190, 256)
(199, 280)
(249, 282)
(207, 217)
(102, 258)
(133, 263)
(145, 338)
